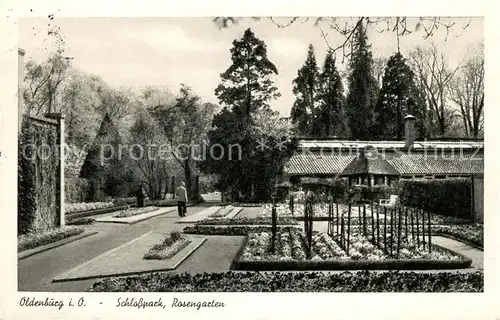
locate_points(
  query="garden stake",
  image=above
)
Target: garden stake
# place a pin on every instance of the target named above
(365, 232)
(373, 223)
(399, 231)
(412, 228)
(359, 217)
(342, 233)
(392, 231)
(330, 218)
(385, 229)
(406, 222)
(423, 228)
(273, 226)
(418, 236)
(429, 231)
(378, 228)
(337, 221)
(348, 230)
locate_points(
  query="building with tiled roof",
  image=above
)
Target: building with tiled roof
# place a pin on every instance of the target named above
(377, 162)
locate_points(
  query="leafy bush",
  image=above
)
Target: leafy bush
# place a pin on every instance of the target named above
(363, 281)
(450, 197)
(76, 189)
(36, 239)
(26, 200)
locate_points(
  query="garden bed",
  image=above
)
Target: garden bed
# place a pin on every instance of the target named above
(130, 212)
(168, 248)
(81, 214)
(326, 254)
(363, 281)
(215, 230)
(37, 239)
(320, 213)
(80, 221)
(222, 212)
(248, 221)
(473, 233)
(71, 208)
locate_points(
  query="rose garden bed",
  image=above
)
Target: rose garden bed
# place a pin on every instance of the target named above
(290, 254)
(472, 233)
(168, 248)
(92, 212)
(130, 212)
(320, 213)
(37, 239)
(248, 221)
(362, 281)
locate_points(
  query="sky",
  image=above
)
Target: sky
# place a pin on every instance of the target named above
(137, 52)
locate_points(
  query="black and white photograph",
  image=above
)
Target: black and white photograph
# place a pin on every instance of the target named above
(248, 154)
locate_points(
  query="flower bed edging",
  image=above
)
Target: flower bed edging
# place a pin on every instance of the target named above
(387, 264)
(81, 214)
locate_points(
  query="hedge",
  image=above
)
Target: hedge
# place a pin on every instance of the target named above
(26, 187)
(449, 197)
(363, 281)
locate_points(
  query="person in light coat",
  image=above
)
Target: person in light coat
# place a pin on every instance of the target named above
(182, 199)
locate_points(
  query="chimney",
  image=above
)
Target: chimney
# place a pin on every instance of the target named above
(409, 131)
(20, 78)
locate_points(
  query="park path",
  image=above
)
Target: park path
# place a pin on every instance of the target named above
(215, 255)
(35, 273)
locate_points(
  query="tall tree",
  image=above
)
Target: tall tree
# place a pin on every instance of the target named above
(363, 89)
(246, 85)
(185, 124)
(398, 97)
(434, 78)
(106, 165)
(305, 88)
(236, 152)
(329, 119)
(467, 91)
(43, 83)
(153, 166)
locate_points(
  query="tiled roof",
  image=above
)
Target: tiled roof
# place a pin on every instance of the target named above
(418, 145)
(437, 164)
(374, 165)
(315, 163)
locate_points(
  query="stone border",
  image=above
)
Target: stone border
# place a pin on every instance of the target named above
(387, 264)
(188, 252)
(30, 252)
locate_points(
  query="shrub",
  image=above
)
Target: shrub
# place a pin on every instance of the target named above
(76, 189)
(451, 197)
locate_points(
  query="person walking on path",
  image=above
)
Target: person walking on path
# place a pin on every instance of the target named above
(182, 199)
